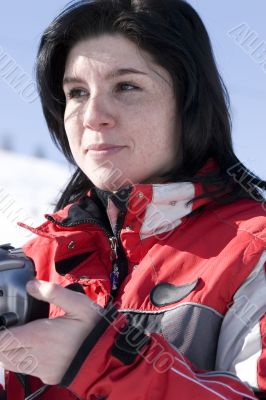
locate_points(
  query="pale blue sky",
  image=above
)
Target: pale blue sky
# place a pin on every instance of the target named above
(21, 25)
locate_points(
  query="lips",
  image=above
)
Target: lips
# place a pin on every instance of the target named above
(103, 147)
(103, 151)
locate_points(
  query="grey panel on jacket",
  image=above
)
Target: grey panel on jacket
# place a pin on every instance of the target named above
(194, 330)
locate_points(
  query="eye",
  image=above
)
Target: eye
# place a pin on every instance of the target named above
(76, 93)
(127, 87)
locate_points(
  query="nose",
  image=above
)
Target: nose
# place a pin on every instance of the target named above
(98, 114)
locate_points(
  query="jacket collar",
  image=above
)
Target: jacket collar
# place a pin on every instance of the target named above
(146, 209)
(152, 209)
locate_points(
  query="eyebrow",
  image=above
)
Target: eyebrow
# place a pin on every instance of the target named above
(110, 75)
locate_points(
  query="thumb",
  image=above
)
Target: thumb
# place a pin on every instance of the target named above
(73, 303)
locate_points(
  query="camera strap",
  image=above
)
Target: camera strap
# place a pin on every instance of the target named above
(38, 392)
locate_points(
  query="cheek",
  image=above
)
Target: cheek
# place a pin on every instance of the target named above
(73, 120)
(73, 141)
(157, 130)
(72, 127)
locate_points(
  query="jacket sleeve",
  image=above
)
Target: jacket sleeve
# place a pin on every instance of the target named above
(244, 351)
(119, 361)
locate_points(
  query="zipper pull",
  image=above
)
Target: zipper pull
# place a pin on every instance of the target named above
(114, 246)
(114, 276)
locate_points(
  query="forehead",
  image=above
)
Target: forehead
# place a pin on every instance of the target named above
(106, 53)
(107, 50)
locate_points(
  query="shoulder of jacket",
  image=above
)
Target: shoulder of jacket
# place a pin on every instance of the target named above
(244, 215)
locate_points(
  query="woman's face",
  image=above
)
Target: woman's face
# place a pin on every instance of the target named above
(120, 116)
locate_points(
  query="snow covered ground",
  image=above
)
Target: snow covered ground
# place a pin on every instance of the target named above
(29, 188)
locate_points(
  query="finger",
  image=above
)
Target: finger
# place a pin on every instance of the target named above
(73, 303)
(18, 360)
(11, 339)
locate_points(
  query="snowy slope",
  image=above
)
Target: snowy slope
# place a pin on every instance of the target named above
(29, 188)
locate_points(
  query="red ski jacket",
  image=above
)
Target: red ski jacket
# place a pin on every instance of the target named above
(183, 285)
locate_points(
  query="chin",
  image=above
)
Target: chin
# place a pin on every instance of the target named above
(109, 185)
(106, 180)
(114, 181)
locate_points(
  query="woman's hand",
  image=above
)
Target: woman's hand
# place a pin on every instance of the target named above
(46, 347)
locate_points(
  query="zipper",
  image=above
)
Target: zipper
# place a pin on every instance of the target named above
(116, 248)
(120, 262)
(114, 276)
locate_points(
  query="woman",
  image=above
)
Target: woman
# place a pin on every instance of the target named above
(161, 232)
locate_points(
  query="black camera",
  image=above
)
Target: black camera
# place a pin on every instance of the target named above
(17, 307)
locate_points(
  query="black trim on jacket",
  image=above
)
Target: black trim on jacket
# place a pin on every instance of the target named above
(88, 344)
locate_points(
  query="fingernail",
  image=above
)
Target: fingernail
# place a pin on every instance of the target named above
(32, 286)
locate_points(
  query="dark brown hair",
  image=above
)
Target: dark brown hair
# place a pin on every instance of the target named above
(174, 34)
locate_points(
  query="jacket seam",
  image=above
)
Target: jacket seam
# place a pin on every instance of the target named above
(172, 308)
